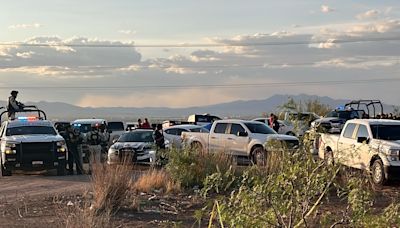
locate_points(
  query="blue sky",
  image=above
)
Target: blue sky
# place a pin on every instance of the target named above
(208, 22)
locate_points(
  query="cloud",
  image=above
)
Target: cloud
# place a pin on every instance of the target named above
(326, 9)
(127, 32)
(68, 56)
(25, 55)
(368, 15)
(25, 26)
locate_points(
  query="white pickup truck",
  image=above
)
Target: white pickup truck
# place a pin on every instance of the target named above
(367, 144)
(239, 138)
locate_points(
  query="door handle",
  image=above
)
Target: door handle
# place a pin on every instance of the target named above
(230, 138)
(213, 137)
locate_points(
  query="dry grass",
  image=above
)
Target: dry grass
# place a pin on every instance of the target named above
(82, 216)
(110, 185)
(156, 180)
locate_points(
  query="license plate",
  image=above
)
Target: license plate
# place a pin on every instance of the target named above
(37, 162)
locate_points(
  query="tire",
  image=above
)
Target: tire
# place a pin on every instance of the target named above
(259, 156)
(378, 173)
(196, 146)
(291, 133)
(4, 171)
(61, 171)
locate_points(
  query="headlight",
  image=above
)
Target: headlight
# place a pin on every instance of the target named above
(61, 147)
(10, 148)
(112, 150)
(393, 155)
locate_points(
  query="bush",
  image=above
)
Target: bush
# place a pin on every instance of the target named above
(190, 167)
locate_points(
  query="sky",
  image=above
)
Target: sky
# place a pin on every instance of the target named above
(191, 53)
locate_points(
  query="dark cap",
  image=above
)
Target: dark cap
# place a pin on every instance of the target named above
(14, 92)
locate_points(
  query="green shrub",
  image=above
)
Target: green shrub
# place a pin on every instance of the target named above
(190, 167)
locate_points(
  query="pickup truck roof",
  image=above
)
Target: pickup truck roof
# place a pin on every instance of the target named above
(374, 121)
(20, 123)
(88, 121)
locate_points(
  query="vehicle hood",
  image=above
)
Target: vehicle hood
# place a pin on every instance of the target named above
(386, 144)
(34, 138)
(268, 137)
(131, 145)
(329, 119)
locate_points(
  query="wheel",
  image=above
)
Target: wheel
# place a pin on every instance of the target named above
(196, 146)
(291, 133)
(61, 171)
(259, 156)
(378, 173)
(4, 171)
(328, 156)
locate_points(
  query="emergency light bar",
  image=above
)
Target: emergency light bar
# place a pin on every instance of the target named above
(28, 118)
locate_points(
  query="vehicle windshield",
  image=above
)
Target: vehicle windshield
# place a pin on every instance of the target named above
(31, 130)
(343, 114)
(116, 126)
(199, 129)
(137, 136)
(259, 128)
(83, 128)
(386, 132)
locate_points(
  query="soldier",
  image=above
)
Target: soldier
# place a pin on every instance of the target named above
(93, 139)
(105, 141)
(13, 105)
(75, 141)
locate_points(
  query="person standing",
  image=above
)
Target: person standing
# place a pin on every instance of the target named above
(67, 137)
(93, 139)
(159, 137)
(139, 121)
(105, 142)
(146, 124)
(75, 141)
(275, 123)
(13, 105)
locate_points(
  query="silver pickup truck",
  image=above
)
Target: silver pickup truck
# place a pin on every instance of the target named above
(367, 144)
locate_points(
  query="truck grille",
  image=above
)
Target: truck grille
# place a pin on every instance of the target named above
(37, 152)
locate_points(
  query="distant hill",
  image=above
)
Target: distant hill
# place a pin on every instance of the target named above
(241, 108)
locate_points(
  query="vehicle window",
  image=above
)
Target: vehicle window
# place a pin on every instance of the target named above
(236, 128)
(116, 126)
(200, 129)
(386, 132)
(259, 128)
(348, 131)
(171, 131)
(362, 131)
(137, 136)
(180, 130)
(83, 128)
(261, 120)
(31, 130)
(220, 128)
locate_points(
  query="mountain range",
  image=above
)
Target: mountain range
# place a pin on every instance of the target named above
(240, 108)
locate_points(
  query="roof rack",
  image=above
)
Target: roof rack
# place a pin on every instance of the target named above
(29, 108)
(368, 104)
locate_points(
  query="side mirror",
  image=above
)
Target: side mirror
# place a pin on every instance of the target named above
(109, 131)
(242, 134)
(362, 140)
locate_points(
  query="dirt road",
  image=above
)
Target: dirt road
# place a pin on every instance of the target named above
(18, 186)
